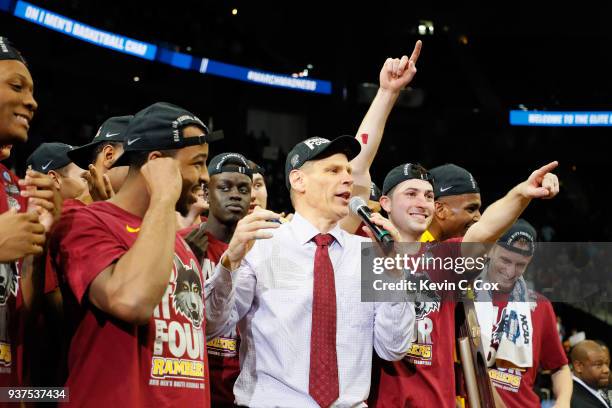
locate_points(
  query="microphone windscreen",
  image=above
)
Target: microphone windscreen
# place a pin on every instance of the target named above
(355, 203)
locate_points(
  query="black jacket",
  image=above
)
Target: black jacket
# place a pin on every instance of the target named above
(582, 398)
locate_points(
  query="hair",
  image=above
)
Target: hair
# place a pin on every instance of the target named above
(139, 158)
(253, 166)
(306, 166)
(99, 148)
(62, 171)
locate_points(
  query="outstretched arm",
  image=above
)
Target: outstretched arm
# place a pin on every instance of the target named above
(500, 215)
(395, 75)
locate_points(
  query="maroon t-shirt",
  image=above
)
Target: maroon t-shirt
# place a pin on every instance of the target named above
(113, 363)
(70, 203)
(516, 386)
(425, 377)
(360, 231)
(51, 279)
(223, 357)
(11, 327)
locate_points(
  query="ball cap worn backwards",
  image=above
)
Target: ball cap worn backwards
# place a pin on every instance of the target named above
(229, 163)
(159, 127)
(9, 52)
(112, 130)
(521, 233)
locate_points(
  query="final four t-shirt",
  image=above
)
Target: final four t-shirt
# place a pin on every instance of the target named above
(111, 362)
(425, 377)
(515, 387)
(222, 350)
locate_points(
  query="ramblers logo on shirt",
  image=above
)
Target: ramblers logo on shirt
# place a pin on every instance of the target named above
(9, 285)
(9, 282)
(428, 301)
(508, 379)
(421, 352)
(178, 350)
(187, 295)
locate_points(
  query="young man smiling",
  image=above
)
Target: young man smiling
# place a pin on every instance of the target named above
(131, 284)
(28, 209)
(427, 379)
(515, 352)
(457, 203)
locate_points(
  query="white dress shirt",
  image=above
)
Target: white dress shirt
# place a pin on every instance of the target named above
(272, 303)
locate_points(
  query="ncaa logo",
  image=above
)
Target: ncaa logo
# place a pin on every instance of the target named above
(315, 141)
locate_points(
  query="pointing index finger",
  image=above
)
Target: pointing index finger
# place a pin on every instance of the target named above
(416, 52)
(547, 168)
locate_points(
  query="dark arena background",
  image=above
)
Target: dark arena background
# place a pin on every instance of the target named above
(478, 63)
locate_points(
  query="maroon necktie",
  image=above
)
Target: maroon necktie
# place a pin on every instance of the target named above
(323, 385)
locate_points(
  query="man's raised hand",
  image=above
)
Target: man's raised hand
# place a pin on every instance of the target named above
(99, 184)
(397, 73)
(254, 226)
(163, 178)
(43, 197)
(541, 183)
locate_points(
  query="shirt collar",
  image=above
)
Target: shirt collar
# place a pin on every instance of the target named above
(305, 231)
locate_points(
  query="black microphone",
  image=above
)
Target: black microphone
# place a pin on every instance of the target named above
(359, 207)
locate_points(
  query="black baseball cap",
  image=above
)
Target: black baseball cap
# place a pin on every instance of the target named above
(453, 180)
(159, 127)
(112, 130)
(523, 232)
(49, 156)
(375, 192)
(9, 52)
(403, 172)
(229, 162)
(319, 148)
